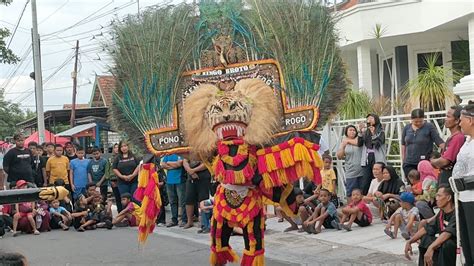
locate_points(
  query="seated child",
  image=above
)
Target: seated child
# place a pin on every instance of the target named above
(329, 179)
(404, 218)
(304, 211)
(26, 209)
(80, 213)
(325, 215)
(356, 212)
(102, 215)
(66, 202)
(131, 212)
(416, 186)
(6, 220)
(60, 217)
(206, 214)
(424, 191)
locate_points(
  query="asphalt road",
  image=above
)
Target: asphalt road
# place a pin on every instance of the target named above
(103, 247)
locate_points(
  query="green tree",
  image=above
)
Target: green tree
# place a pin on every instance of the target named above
(6, 55)
(10, 115)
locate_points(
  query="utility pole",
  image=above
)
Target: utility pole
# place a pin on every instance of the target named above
(38, 74)
(74, 87)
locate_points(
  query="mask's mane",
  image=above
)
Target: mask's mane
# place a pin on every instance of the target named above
(264, 117)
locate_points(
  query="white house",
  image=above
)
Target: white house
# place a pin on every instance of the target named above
(412, 29)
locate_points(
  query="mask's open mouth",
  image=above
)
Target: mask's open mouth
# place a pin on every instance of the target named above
(230, 130)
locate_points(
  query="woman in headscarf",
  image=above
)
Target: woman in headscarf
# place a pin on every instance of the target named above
(388, 194)
(372, 140)
(429, 187)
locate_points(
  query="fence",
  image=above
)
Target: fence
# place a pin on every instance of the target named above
(393, 126)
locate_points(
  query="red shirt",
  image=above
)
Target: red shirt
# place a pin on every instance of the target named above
(363, 208)
(453, 145)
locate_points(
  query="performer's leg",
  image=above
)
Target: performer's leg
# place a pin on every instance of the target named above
(253, 237)
(221, 252)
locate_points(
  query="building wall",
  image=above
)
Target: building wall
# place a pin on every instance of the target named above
(415, 43)
(401, 17)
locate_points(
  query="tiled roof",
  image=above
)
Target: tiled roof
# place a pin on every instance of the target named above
(107, 85)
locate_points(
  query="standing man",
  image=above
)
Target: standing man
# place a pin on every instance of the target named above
(175, 186)
(463, 172)
(70, 152)
(78, 173)
(98, 167)
(17, 161)
(453, 145)
(38, 165)
(57, 167)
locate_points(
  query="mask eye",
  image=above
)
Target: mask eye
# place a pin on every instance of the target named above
(233, 106)
(217, 109)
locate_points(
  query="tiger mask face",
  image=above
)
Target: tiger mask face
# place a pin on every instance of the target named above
(248, 112)
(228, 115)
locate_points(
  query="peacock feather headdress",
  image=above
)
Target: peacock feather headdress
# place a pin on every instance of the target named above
(162, 54)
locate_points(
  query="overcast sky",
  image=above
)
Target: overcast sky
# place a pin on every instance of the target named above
(61, 23)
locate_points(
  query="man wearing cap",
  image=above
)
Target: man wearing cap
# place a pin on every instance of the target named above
(17, 161)
(438, 236)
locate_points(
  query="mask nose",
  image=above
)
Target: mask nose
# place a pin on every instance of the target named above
(226, 118)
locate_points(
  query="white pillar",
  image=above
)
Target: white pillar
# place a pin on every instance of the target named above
(364, 68)
(465, 88)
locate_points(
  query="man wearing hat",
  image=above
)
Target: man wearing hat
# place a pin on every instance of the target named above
(17, 161)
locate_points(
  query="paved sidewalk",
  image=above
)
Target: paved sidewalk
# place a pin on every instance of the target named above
(362, 246)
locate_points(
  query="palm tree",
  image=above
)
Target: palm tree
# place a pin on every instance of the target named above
(432, 86)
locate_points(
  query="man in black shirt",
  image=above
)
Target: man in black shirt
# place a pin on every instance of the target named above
(38, 165)
(438, 236)
(17, 161)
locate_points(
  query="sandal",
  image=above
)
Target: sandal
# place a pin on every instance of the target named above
(280, 220)
(36, 232)
(389, 233)
(15, 233)
(346, 227)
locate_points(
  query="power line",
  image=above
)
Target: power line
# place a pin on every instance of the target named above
(54, 12)
(91, 17)
(18, 23)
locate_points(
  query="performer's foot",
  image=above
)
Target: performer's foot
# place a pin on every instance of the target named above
(291, 228)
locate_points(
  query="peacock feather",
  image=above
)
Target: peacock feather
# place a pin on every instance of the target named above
(300, 35)
(152, 51)
(155, 48)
